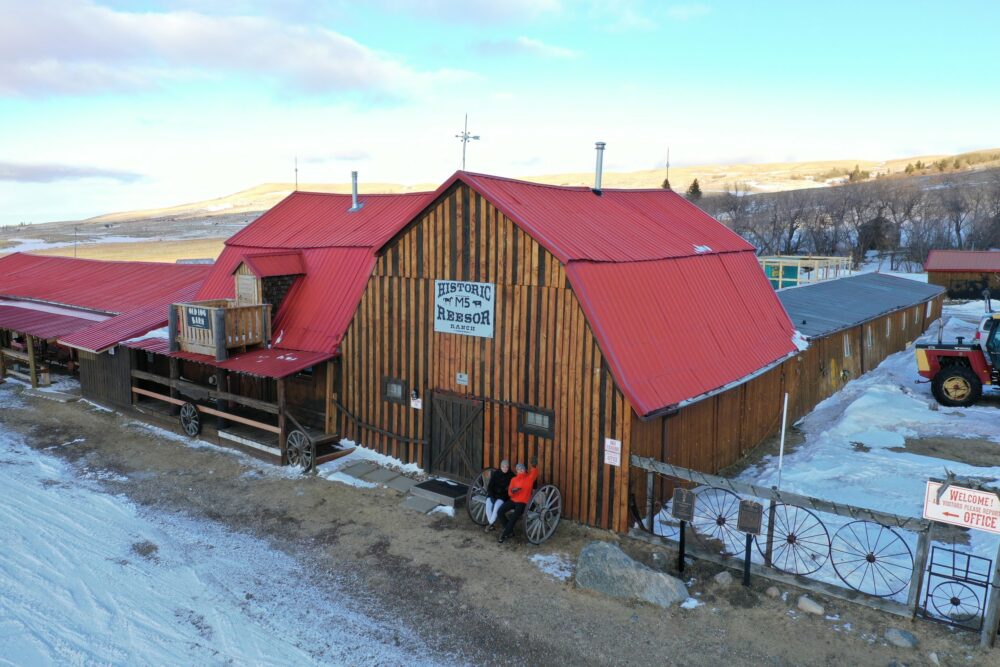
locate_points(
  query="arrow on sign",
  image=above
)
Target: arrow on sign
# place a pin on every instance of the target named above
(950, 514)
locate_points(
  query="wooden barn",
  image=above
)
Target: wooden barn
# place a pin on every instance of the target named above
(66, 312)
(512, 320)
(964, 273)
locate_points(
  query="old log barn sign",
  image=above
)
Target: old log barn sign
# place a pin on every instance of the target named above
(464, 308)
(197, 318)
(963, 507)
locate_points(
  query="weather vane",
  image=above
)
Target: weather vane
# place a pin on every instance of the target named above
(465, 138)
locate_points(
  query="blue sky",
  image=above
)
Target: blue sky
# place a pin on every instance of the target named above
(117, 105)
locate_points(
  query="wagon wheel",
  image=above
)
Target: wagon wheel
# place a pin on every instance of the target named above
(190, 419)
(715, 514)
(543, 514)
(955, 601)
(801, 544)
(475, 498)
(295, 448)
(871, 558)
(664, 523)
(308, 455)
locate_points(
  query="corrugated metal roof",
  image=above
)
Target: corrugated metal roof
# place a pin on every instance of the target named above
(820, 309)
(40, 323)
(111, 287)
(963, 260)
(99, 337)
(674, 330)
(274, 362)
(318, 308)
(573, 223)
(323, 220)
(283, 263)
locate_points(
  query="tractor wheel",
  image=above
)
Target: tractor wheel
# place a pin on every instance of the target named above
(957, 386)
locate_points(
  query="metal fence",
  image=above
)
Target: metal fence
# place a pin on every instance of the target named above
(853, 553)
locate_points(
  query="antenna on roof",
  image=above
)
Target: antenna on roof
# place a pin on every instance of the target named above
(666, 180)
(355, 204)
(465, 138)
(296, 173)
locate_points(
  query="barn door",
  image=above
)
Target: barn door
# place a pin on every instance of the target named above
(456, 437)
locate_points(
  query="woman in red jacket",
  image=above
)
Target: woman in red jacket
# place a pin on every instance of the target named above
(521, 489)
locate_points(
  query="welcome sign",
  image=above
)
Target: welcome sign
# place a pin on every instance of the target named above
(464, 308)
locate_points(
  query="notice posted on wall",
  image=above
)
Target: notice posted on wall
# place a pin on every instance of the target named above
(612, 452)
(464, 308)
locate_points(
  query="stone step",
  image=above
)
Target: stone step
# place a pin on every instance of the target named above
(422, 505)
(443, 493)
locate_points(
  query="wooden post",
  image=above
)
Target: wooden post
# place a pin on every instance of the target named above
(32, 365)
(219, 333)
(919, 567)
(172, 328)
(650, 480)
(282, 429)
(223, 406)
(328, 419)
(992, 620)
(175, 375)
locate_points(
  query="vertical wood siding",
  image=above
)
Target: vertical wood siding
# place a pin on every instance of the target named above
(106, 378)
(543, 354)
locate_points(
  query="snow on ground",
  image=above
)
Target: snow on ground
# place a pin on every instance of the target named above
(332, 469)
(555, 565)
(89, 578)
(848, 456)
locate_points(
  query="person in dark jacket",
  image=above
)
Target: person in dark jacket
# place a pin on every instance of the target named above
(497, 492)
(522, 487)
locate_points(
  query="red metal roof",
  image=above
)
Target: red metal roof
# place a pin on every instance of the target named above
(266, 264)
(674, 330)
(986, 261)
(318, 308)
(40, 323)
(99, 337)
(573, 223)
(323, 220)
(111, 287)
(274, 362)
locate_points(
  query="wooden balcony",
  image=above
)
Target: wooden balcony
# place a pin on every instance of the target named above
(218, 326)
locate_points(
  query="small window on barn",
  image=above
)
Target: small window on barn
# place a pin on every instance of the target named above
(847, 345)
(904, 319)
(537, 422)
(306, 373)
(888, 327)
(393, 390)
(929, 305)
(870, 340)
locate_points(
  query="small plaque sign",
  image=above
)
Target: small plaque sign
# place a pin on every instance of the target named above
(682, 505)
(750, 518)
(462, 379)
(417, 403)
(197, 318)
(612, 452)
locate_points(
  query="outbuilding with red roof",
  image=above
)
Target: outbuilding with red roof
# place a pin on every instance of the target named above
(964, 273)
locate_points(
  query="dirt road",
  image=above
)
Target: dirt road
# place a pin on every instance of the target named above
(469, 598)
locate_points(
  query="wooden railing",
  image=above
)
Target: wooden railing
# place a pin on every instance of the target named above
(214, 327)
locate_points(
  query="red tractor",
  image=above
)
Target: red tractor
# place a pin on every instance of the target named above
(959, 370)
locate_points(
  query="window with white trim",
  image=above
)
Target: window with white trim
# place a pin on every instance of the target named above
(888, 326)
(536, 421)
(847, 345)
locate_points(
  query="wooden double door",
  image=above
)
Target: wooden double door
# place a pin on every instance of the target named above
(456, 437)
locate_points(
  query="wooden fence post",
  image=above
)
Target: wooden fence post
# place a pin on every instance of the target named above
(32, 365)
(919, 568)
(175, 375)
(219, 333)
(992, 620)
(173, 328)
(650, 480)
(283, 430)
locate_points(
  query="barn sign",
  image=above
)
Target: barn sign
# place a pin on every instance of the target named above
(464, 308)
(959, 506)
(197, 318)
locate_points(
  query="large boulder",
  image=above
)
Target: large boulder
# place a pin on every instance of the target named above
(605, 568)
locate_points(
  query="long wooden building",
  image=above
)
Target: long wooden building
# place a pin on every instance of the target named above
(964, 273)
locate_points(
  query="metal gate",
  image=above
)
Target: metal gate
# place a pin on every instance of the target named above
(956, 589)
(456, 437)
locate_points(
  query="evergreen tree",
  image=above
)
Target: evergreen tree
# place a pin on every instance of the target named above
(666, 184)
(694, 191)
(909, 169)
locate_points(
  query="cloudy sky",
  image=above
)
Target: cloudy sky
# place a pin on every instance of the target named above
(115, 105)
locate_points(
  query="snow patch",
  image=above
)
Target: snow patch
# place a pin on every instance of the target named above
(691, 603)
(444, 509)
(800, 341)
(557, 565)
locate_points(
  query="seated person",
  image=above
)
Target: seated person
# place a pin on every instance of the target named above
(521, 489)
(497, 493)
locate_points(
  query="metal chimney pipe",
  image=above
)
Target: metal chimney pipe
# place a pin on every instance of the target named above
(354, 191)
(600, 166)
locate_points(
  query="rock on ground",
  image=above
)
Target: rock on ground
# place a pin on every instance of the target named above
(772, 592)
(901, 638)
(810, 606)
(605, 568)
(723, 578)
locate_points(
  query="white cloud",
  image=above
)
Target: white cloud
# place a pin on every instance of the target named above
(474, 11)
(524, 46)
(687, 12)
(53, 47)
(48, 173)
